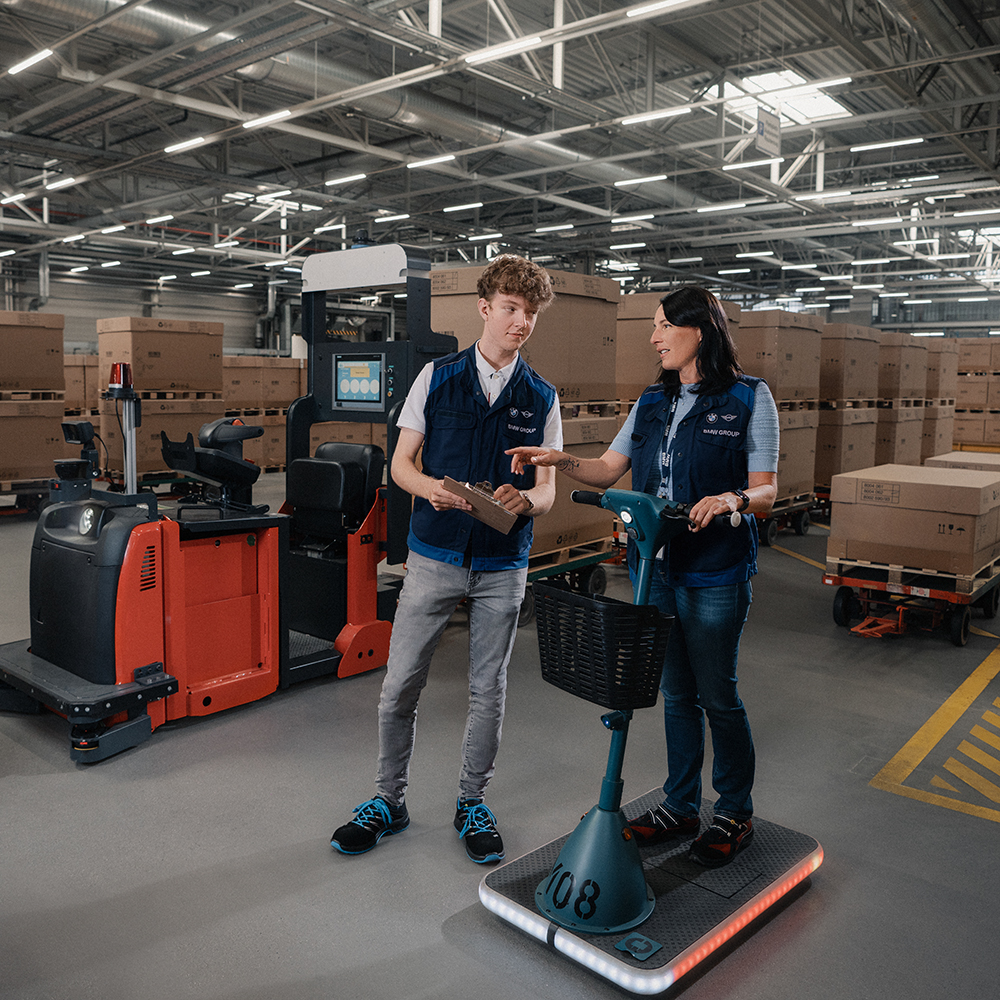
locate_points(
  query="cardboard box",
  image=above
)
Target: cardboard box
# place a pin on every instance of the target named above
(574, 341)
(354, 432)
(32, 437)
(845, 442)
(567, 523)
(797, 452)
(947, 520)
(636, 366)
(974, 354)
(848, 362)
(902, 366)
(899, 435)
(972, 391)
(938, 431)
(166, 355)
(241, 383)
(942, 367)
(274, 442)
(984, 461)
(969, 428)
(588, 429)
(31, 345)
(784, 349)
(75, 377)
(177, 417)
(279, 378)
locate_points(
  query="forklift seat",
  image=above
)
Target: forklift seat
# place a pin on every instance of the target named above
(219, 459)
(336, 489)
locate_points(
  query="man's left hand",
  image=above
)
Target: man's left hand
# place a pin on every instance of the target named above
(511, 498)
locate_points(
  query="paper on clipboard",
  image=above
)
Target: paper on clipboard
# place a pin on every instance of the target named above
(484, 507)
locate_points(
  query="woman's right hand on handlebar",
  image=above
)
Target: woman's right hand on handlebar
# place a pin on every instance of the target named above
(520, 457)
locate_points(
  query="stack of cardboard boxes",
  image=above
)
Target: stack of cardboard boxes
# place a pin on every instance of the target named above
(259, 389)
(977, 394)
(784, 348)
(939, 405)
(177, 371)
(574, 347)
(32, 388)
(902, 389)
(942, 519)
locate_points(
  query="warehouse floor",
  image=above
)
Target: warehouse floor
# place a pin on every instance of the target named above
(198, 865)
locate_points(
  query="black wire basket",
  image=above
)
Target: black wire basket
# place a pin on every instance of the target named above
(602, 650)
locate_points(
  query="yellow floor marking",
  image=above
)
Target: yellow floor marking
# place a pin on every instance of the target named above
(892, 776)
(795, 555)
(941, 783)
(986, 736)
(979, 631)
(974, 780)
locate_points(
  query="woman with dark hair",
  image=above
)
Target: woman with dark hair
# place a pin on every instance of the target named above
(704, 434)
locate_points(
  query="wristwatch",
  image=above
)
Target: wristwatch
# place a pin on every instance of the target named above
(746, 500)
(531, 505)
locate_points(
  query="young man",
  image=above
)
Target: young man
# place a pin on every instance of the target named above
(464, 411)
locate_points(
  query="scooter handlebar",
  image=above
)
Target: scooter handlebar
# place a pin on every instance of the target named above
(587, 497)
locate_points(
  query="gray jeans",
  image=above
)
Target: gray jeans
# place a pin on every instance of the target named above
(430, 594)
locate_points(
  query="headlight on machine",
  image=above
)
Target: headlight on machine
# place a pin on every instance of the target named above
(88, 520)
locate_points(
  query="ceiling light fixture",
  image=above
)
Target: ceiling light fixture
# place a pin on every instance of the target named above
(978, 211)
(158, 219)
(485, 236)
(245, 284)
(30, 61)
(917, 302)
(756, 253)
(182, 251)
(462, 208)
(20, 196)
(112, 229)
(553, 229)
(685, 260)
(626, 246)
(392, 218)
(65, 182)
(344, 180)
(753, 163)
(111, 263)
(652, 116)
(199, 274)
(631, 182)
(735, 270)
(267, 119)
(886, 145)
(430, 162)
(631, 218)
(499, 51)
(226, 243)
(186, 144)
(167, 277)
(722, 208)
(947, 256)
(73, 239)
(7, 253)
(649, 8)
(77, 270)
(879, 222)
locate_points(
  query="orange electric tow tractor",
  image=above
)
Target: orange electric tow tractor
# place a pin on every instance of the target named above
(146, 610)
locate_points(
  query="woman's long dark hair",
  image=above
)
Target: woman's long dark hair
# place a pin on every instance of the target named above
(694, 306)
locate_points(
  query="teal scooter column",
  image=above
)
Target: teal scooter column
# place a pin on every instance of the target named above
(597, 883)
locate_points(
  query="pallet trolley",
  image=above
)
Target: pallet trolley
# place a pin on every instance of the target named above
(892, 600)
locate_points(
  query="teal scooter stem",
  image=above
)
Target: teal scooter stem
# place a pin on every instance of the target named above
(597, 883)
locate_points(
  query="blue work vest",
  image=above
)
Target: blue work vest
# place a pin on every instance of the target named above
(465, 438)
(707, 455)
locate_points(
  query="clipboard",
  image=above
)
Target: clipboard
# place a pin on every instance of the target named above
(484, 507)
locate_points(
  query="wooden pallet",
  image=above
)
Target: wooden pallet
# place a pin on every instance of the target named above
(904, 403)
(783, 504)
(848, 404)
(179, 394)
(567, 555)
(793, 405)
(32, 395)
(913, 580)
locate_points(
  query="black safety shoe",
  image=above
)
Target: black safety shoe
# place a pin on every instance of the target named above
(477, 825)
(373, 820)
(659, 824)
(722, 841)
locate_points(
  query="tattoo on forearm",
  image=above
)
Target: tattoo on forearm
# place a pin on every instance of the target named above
(568, 464)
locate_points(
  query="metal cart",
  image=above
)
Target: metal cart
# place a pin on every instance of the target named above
(891, 600)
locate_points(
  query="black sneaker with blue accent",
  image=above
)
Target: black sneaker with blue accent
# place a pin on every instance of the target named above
(372, 821)
(477, 826)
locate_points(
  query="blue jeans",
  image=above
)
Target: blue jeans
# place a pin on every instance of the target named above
(699, 679)
(431, 590)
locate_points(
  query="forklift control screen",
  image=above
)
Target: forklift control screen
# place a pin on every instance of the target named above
(359, 381)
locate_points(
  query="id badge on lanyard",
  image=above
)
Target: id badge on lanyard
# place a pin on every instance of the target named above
(665, 452)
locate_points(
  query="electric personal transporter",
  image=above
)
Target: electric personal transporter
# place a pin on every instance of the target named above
(145, 610)
(639, 916)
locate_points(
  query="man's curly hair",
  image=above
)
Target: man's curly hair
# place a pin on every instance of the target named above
(509, 274)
